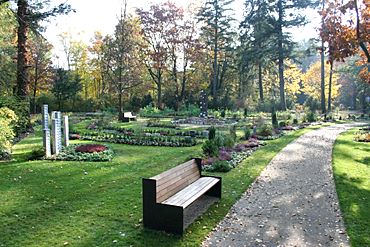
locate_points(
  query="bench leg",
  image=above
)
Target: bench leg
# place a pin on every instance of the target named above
(215, 191)
(165, 218)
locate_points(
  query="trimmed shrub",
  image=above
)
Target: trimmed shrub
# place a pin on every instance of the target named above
(212, 133)
(310, 117)
(37, 154)
(219, 166)
(264, 130)
(228, 141)
(247, 133)
(282, 124)
(210, 148)
(232, 132)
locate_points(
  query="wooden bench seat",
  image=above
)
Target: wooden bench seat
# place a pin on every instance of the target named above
(185, 197)
(174, 198)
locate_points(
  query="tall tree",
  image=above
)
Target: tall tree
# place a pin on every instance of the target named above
(40, 63)
(257, 38)
(30, 14)
(66, 86)
(289, 15)
(122, 57)
(7, 50)
(155, 51)
(217, 29)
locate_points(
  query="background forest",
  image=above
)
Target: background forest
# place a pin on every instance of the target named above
(160, 58)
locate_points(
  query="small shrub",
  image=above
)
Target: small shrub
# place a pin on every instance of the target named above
(311, 117)
(228, 141)
(295, 121)
(274, 119)
(210, 148)
(223, 113)
(219, 140)
(8, 119)
(219, 166)
(282, 124)
(264, 130)
(247, 133)
(212, 133)
(232, 132)
(37, 154)
(5, 155)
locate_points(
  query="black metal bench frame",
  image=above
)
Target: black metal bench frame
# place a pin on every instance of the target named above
(175, 219)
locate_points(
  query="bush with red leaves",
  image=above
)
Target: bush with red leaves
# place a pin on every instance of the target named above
(91, 148)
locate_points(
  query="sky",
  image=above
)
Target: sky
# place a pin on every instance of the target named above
(91, 16)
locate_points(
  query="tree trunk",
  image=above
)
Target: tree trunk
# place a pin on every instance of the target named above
(120, 112)
(22, 77)
(323, 110)
(260, 85)
(330, 84)
(159, 90)
(215, 62)
(34, 97)
(183, 84)
(281, 57)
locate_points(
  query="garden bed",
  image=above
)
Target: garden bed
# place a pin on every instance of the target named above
(85, 152)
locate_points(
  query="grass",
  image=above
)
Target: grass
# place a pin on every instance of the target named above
(46, 203)
(351, 164)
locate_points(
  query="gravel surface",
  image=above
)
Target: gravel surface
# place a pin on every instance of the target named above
(292, 203)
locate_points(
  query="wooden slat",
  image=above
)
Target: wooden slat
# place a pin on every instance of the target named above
(188, 179)
(192, 192)
(171, 190)
(172, 181)
(177, 176)
(172, 170)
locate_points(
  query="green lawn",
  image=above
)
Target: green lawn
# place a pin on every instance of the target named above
(351, 162)
(52, 203)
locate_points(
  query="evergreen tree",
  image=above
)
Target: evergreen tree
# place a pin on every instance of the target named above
(219, 36)
(30, 14)
(257, 38)
(289, 15)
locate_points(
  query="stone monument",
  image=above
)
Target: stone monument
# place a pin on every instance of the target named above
(46, 130)
(66, 131)
(56, 131)
(203, 104)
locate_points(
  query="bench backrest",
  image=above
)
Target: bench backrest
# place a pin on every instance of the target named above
(171, 181)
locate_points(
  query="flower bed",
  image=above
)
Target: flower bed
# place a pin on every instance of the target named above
(141, 140)
(86, 152)
(229, 158)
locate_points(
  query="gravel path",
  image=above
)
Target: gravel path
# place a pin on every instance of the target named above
(292, 203)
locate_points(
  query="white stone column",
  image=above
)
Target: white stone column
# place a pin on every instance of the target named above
(66, 131)
(56, 131)
(46, 130)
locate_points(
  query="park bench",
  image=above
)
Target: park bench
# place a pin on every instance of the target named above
(173, 199)
(127, 117)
